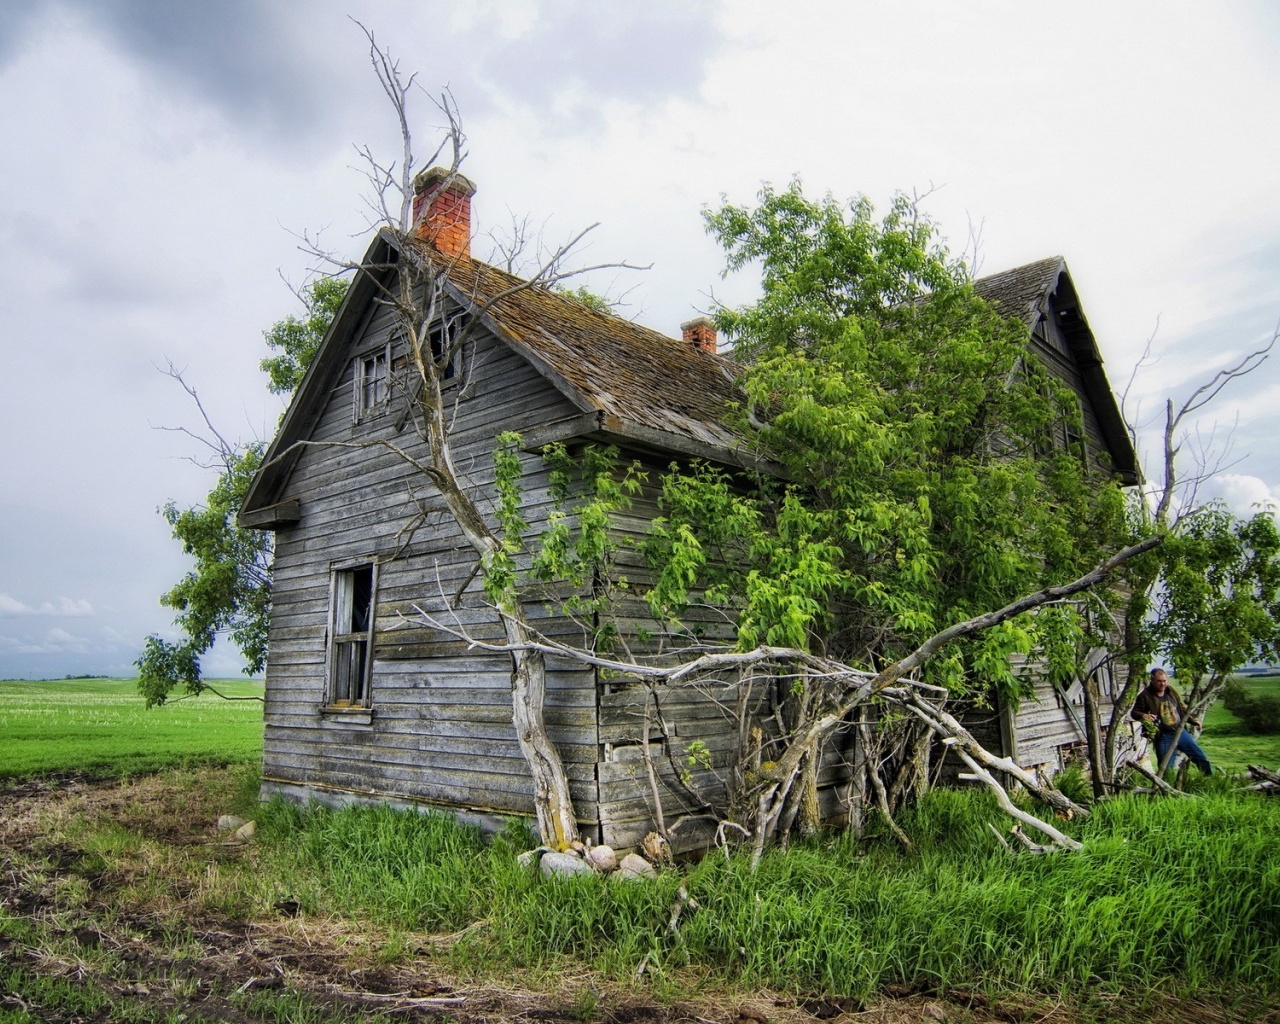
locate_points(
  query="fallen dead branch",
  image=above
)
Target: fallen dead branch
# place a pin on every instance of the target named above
(445, 941)
(682, 902)
(766, 794)
(980, 774)
(1158, 783)
(1267, 781)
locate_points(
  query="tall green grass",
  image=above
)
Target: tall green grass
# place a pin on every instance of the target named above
(1184, 894)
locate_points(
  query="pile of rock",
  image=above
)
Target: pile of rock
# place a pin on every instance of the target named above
(241, 829)
(587, 860)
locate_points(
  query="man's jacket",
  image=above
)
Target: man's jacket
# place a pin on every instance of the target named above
(1168, 709)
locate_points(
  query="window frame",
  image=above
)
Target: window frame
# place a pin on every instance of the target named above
(436, 335)
(364, 405)
(342, 646)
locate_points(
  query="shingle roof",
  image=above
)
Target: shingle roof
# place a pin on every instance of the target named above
(609, 364)
(637, 376)
(638, 383)
(1021, 291)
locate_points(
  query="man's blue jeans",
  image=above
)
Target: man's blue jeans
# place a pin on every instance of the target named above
(1186, 745)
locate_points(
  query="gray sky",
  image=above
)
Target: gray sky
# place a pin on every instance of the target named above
(157, 157)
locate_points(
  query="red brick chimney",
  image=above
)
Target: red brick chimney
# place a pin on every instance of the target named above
(700, 333)
(442, 210)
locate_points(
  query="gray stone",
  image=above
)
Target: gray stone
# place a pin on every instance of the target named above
(602, 858)
(564, 864)
(229, 823)
(529, 859)
(635, 866)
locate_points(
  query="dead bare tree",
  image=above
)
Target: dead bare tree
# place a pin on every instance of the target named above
(1163, 508)
(423, 268)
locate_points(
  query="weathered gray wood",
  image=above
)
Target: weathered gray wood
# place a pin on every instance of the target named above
(440, 727)
(283, 513)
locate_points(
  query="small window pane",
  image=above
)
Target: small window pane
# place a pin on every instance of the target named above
(361, 598)
(373, 381)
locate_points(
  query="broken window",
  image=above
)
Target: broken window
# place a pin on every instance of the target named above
(439, 335)
(351, 644)
(371, 381)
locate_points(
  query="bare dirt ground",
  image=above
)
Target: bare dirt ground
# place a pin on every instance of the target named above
(93, 937)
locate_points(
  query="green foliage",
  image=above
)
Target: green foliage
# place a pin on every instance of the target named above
(1074, 784)
(500, 565)
(574, 551)
(911, 429)
(587, 297)
(1260, 713)
(1172, 896)
(416, 871)
(1217, 605)
(839, 917)
(297, 339)
(228, 591)
(1229, 742)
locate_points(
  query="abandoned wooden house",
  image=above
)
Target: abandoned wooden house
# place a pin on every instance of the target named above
(365, 703)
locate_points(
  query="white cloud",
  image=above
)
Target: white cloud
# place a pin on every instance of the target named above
(8, 606)
(1244, 494)
(19, 645)
(63, 608)
(54, 641)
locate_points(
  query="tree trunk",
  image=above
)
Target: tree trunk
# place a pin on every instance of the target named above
(552, 803)
(1136, 671)
(1093, 734)
(810, 810)
(557, 822)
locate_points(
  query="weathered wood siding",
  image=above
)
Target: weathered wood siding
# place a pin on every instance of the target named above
(701, 722)
(1049, 728)
(439, 728)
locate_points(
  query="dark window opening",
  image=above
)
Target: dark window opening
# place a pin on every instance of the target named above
(349, 662)
(438, 340)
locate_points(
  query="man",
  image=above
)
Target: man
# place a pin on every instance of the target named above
(1160, 703)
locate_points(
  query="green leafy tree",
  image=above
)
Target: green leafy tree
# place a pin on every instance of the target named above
(228, 590)
(1205, 602)
(916, 484)
(296, 338)
(1220, 603)
(587, 297)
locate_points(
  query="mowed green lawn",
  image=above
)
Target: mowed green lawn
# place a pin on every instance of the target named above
(1230, 745)
(101, 727)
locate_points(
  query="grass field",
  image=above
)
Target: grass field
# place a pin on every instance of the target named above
(100, 727)
(1230, 745)
(1168, 914)
(132, 910)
